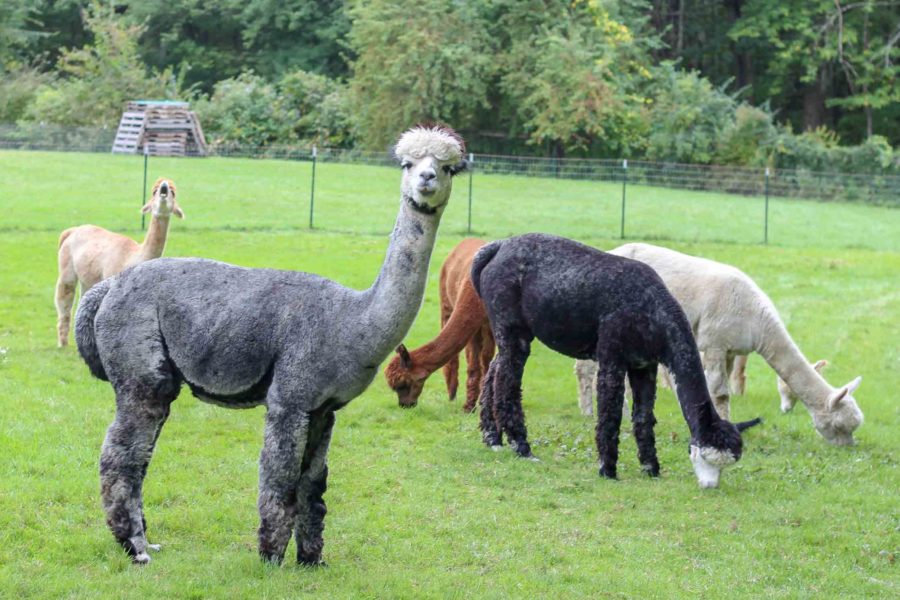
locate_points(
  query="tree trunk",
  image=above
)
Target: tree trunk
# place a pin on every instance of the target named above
(814, 104)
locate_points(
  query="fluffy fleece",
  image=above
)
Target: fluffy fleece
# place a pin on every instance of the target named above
(301, 345)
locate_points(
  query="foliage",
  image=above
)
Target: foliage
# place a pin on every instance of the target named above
(246, 110)
(18, 89)
(569, 75)
(417, 60)
(97, 80)
(323, 106)
(819, 150)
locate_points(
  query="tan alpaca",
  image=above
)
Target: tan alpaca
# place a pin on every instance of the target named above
(89, 254)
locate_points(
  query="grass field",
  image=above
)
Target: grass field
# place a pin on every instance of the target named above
(418, 507)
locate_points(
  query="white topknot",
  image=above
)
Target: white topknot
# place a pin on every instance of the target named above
(440, 142)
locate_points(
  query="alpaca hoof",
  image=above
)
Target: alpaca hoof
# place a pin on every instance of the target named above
(652, 470)
(522, 448)
(608, 472)
(274, 559)
(496, 447)
(311, 562)
(141, 558)
(492, 440)
(468, 408)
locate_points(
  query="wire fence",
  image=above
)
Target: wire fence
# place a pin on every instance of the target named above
(635, 178)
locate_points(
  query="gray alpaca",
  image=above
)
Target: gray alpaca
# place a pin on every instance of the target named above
(302, 345)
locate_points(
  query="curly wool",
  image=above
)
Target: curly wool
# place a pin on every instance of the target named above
(438, 141)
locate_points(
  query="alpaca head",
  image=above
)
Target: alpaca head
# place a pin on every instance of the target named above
(430, 155)
(162, 200)
(721, 446)
(840, 416)
(404, 378)
(789, 398)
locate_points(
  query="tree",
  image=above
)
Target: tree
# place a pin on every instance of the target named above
(417, 60)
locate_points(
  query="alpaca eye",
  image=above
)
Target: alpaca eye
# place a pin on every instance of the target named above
(405, 165)
(447, 169)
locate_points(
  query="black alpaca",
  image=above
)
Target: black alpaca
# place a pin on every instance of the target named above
(585, 303)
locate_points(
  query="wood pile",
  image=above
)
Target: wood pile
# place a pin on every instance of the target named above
(161, 128)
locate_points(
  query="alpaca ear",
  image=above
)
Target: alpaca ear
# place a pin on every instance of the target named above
(459, 167)
(405, 358)
(843, 392)
(176, 210)
(146, 208)
(820, 364)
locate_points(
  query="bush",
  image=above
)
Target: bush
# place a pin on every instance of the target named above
(18, 90)
(323, 106)
(246, 110)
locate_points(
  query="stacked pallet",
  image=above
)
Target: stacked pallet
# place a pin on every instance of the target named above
(159, 128)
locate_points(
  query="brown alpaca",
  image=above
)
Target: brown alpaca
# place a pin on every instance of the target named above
(464, 323)
(89, 254)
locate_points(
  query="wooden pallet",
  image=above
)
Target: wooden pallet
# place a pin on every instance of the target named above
(160, 129)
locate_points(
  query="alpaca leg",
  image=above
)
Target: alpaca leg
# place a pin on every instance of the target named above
(586, 374)
(610, 399)
(279, 476)
(716, 367)
(507, 382)
(490, 432)
(124, 459)
(65, 297)
(310, 491)
(451, 369)
(473, 372)
(643, 387)
(484, 361)
(738, 371)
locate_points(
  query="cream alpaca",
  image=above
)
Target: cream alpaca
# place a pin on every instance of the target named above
(731, 316)
(89, 254)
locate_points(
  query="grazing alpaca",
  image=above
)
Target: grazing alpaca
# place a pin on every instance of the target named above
(731, 316)
(301, 345)
(89, 254)
(585, 303)
(463, 324)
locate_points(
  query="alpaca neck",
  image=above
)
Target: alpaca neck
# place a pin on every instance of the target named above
(683, 362)
(783, 355)
(393, 301)
(155, 241)
(468, 315)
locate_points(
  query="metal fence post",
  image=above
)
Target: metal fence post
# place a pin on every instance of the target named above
(312, 189)
(624, 185)
(144, 189)
(766, 230)
(471, 167)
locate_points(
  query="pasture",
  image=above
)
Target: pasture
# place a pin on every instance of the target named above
(418, 507)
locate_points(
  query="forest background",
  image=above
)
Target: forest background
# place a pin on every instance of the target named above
(811, 84)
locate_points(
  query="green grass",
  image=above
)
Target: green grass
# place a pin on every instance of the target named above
(417, 506)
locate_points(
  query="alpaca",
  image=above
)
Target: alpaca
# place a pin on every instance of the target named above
(585, 303)
(463, 324)
(89, 254)
(731, 316)
(299, 344)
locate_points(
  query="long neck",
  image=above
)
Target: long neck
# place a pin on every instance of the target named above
(779, 350)
(390, 306)
(155, 241)
(682, 358)
(468, 315)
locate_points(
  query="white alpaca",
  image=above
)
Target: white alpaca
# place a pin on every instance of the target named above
(731, 316)
(89, 254)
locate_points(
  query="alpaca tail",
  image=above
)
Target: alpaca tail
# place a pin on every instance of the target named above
(63, 236)
(84, 328)
(744, 425)
(482, 258)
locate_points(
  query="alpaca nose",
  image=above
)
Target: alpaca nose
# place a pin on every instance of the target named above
(164, 189)
(427, 174)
